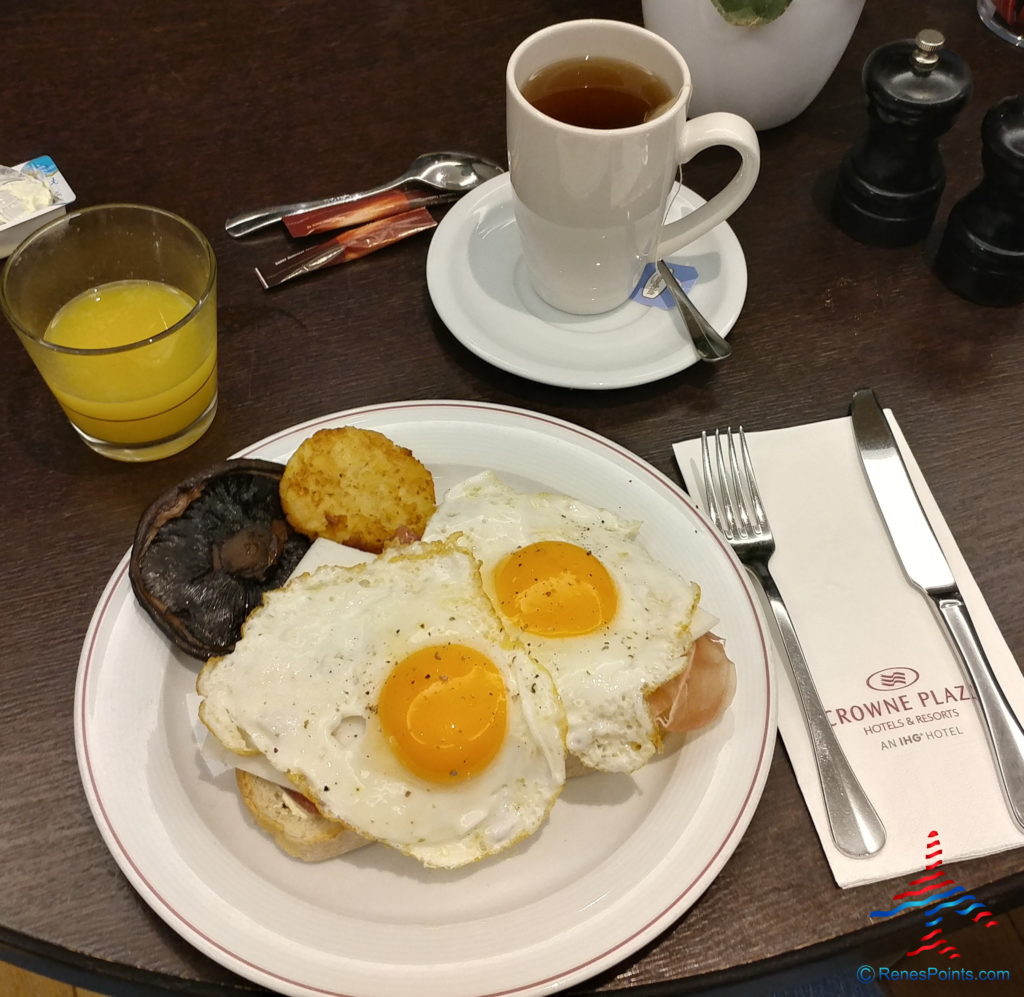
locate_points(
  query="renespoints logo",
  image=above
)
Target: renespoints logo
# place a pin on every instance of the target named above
(950, 897)
(892, 678)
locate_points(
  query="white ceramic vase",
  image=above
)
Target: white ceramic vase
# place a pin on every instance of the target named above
(766, 74)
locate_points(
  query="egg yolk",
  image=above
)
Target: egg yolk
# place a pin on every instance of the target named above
(443, 712)
(555, 589)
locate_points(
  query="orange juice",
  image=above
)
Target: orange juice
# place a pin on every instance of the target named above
(134, 383)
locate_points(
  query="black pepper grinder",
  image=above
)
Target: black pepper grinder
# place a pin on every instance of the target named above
(890, 183)
(981, 255)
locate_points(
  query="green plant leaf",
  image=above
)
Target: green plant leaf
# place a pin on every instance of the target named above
(750, 13)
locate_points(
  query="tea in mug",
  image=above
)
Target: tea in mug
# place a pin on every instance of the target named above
(597, 92)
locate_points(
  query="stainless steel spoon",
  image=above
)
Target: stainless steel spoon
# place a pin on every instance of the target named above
(449, 172)
(709, 344)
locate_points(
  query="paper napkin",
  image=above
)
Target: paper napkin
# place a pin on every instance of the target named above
(894, 691)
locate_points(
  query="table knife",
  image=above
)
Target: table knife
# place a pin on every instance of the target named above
(927, 568)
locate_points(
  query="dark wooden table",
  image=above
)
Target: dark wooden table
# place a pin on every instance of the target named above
(206, 109)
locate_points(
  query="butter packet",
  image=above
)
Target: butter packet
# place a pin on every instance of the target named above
(21, 194)
(31, 194)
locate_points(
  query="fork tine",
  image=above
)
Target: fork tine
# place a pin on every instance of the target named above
(709, 481)
(760, 516)
(725, 493)
(737, 484)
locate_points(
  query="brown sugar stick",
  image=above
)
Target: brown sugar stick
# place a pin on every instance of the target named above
(346, 246)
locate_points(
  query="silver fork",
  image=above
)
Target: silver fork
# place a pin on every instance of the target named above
(734, 505)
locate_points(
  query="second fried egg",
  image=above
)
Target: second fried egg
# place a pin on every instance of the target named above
(573, 584)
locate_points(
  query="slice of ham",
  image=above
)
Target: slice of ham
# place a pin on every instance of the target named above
(303, 801)
(700, 693)
(406, 535)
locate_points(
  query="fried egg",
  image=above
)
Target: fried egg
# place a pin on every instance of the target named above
(391, 697)
(589, 603)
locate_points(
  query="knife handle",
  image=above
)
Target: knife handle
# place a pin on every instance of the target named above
(856, 828)
(1005, 735)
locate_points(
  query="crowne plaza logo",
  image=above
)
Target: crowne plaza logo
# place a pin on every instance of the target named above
(892, 678)
(898, 702)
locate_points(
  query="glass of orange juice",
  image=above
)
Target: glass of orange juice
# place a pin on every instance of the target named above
(117, 306)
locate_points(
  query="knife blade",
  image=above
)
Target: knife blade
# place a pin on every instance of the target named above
(926, 567)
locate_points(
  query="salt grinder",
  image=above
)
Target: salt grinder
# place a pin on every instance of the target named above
(891, 181)
(981, 255)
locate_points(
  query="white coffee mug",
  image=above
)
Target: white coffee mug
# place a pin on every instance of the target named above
(590, 203)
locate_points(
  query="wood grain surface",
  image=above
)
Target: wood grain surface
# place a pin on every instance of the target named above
(209, 109)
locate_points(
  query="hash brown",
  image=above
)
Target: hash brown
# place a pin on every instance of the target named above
(356, 487)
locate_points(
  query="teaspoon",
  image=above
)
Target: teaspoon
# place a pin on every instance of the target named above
(709, 344)
(455, 173)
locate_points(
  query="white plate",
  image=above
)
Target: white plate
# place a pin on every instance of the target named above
(479, 286)
(620, 859)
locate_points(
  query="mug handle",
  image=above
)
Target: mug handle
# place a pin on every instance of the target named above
(716, 128)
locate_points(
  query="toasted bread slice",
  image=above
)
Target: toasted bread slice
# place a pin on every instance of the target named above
(295, 825)
(358, 488)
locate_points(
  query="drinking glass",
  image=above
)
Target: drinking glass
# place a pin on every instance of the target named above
(590, 202)
(117, 307)
(1005, 18)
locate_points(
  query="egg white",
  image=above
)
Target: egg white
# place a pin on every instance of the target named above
(302, 685)
(603, 677)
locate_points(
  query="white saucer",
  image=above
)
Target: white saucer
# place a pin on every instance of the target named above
(479, 286)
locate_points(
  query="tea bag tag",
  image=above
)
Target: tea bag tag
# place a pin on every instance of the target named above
(891, 181)
(651, 290)
(981, 255)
